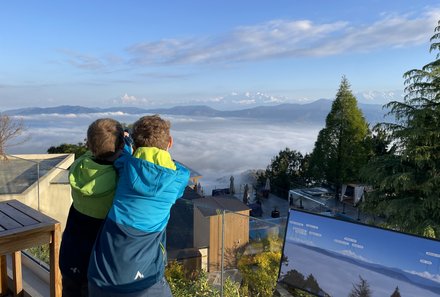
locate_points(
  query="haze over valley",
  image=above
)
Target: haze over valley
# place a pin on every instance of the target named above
(215, 143)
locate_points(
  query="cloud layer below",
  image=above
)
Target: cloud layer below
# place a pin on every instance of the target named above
(214, 147)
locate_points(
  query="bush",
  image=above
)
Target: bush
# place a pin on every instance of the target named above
(260, 272)
(77, 149)
(184, 284)
(40, 252)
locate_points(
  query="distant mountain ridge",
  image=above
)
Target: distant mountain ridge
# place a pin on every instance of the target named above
(314, 112)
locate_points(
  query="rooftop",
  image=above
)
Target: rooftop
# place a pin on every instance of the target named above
(209, 205)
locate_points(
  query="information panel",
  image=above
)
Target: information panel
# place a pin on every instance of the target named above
(330, 257)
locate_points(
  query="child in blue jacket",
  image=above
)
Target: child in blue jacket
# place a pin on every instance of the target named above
(129, 256)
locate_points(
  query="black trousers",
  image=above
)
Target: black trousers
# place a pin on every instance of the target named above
(74, 287)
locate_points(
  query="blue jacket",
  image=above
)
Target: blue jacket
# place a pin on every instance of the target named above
(129, 254)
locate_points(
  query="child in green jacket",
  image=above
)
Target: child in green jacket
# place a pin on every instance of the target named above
(93, 181)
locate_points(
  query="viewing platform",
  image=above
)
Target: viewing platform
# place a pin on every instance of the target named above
(213, 240)
(231, 235)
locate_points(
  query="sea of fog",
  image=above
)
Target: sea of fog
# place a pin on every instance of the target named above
(215, 147)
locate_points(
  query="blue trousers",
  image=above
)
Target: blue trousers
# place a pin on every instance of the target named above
(159, 289)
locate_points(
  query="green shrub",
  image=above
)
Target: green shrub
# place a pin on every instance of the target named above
(260, 272)
(40, 252)
(184, 284)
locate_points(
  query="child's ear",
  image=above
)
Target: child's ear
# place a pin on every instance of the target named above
(170, 143)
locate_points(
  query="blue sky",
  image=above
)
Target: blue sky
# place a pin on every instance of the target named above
(146, 53)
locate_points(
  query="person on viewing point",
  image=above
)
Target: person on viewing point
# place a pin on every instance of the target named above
(129, 255)
(93, 181)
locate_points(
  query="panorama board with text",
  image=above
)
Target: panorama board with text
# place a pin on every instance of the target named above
(330, 257)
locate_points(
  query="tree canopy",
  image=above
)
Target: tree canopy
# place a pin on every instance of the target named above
(340, 150)
(77, 149)
(406, 181)
(286, 169)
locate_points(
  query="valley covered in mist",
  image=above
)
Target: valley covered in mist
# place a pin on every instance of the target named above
(215, 145)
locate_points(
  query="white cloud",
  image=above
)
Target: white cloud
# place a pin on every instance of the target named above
(290, 38)
(353, 255)
(218, 147)
(380, 97)
(85, 61)
(131, 100)
(57, 116)
(426, 274)
(279, 38)
(391, 31)
(215, 147)
(243, 99)
(274, 38)
(244, 102)
(128, 99)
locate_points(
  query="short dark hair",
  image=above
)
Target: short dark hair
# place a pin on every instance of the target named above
(105, 137)
(151, 131)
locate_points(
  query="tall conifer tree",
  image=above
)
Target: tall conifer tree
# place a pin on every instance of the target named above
(407, 181)
(340, 149)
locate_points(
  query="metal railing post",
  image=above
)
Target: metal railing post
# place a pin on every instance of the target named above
(223, 254)
(38, 184)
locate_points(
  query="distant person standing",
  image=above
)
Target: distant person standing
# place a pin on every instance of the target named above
(93, 181)
(129, 256)
(246, 194)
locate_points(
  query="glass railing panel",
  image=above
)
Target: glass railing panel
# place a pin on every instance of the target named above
(19, 180)
(255, 263)
(16, 175)
(24, 178)
(195, 248)
(314, 200)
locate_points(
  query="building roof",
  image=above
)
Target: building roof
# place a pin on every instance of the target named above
(190, 194)
(208, 206)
